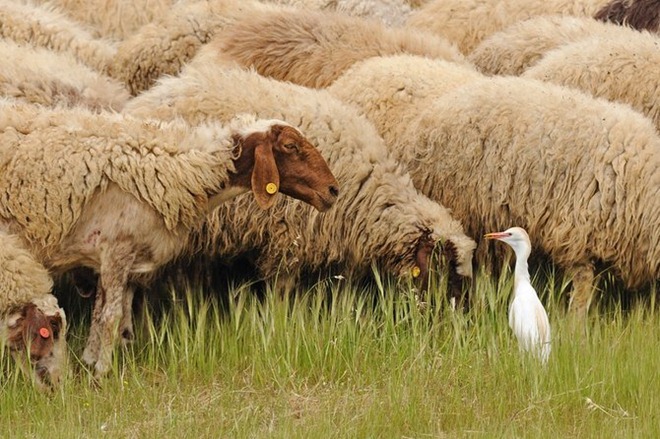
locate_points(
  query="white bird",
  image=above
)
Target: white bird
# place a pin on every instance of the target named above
(527, 317)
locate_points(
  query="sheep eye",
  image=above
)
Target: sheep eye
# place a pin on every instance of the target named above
(291, 146)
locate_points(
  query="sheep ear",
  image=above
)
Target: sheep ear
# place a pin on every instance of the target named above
(265, 177)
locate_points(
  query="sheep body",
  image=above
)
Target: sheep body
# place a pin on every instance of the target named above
(313, 48)
(389, 12)
(467, 22)
(514, 49)
(41, 76)
(571, 179)
(165, 45)
(619, 66)
(49, 28)
(638, 14)
(115, 19)
(24, 282)
(379, 217)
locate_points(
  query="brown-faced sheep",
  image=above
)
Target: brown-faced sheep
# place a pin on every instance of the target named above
(638, 14)
(313, 48)
(388, 12)
(513, 50)
(122, 196)
(32, 326)
(164, 46)
(621, 66)
(40, 76)
(46, 27)
(467, 22)
(379, 218)
(581, 175)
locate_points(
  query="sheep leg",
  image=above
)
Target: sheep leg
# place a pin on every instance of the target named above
(126, 325)
(583, 290)
(91, 352)
(116, 263)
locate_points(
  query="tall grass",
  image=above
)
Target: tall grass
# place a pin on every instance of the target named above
(338, 360)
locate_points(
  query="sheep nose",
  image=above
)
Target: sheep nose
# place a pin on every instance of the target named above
(334, 191)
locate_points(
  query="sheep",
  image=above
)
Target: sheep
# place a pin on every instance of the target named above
(580, 174)
(467, 22)
(313, 48)
(513, 50)
(40, 76)
(113, 19)
(44, 27)
(388, 12)
(164, 46)
(638, 14)
(122, 196)
(32, 325)
(380, 217)
(620, 66)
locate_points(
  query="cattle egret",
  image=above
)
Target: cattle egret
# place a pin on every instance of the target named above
(527, 317)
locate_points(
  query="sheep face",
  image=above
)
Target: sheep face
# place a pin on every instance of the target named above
(281, 159)
(36, 341)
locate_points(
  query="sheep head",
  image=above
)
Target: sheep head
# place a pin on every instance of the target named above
(276, 157)
(36, 340)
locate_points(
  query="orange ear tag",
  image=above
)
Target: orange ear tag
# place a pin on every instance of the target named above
(44, 332)
(271, 188)
(415, 271)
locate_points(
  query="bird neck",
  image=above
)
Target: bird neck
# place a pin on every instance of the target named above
(521, 274)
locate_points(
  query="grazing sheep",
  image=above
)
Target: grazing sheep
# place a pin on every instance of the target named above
(115, 19)
(620, 66)
(379, 218)
(122, 196)
(40, 76)
(313, 48)
(32, 326)
(44, 27)
(513, 50)
(388, 12)
(638, 14)
(580, 174)
(467, 22)
(164, 46)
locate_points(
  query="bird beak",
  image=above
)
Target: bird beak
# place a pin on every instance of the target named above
(496, 235)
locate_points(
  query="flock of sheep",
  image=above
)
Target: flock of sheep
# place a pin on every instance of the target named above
(130, 131)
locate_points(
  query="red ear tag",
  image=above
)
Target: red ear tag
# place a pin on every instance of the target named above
(44, 332)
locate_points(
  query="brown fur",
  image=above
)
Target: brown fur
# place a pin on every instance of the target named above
(638, 14)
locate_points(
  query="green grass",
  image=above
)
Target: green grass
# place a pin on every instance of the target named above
(343, 361)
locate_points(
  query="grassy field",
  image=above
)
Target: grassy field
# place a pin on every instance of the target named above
(338, 361)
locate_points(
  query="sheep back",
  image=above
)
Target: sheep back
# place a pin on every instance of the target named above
(313, 48)
(467, 22)
(621, 66)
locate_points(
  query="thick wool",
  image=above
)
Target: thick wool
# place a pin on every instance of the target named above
(43, 26)
(467, 22)
(114, 19)
(379, 216)
(581, 175)
(513, 50)
(169, 166)
(22, 278)
(164, 46)
(621, 66)
(395, 88)
(313, 48)
(638, 14)
(41, 76)
(389, 12)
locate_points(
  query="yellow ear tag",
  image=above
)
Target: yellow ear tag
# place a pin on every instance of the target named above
(271, 188)
(416, 271)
